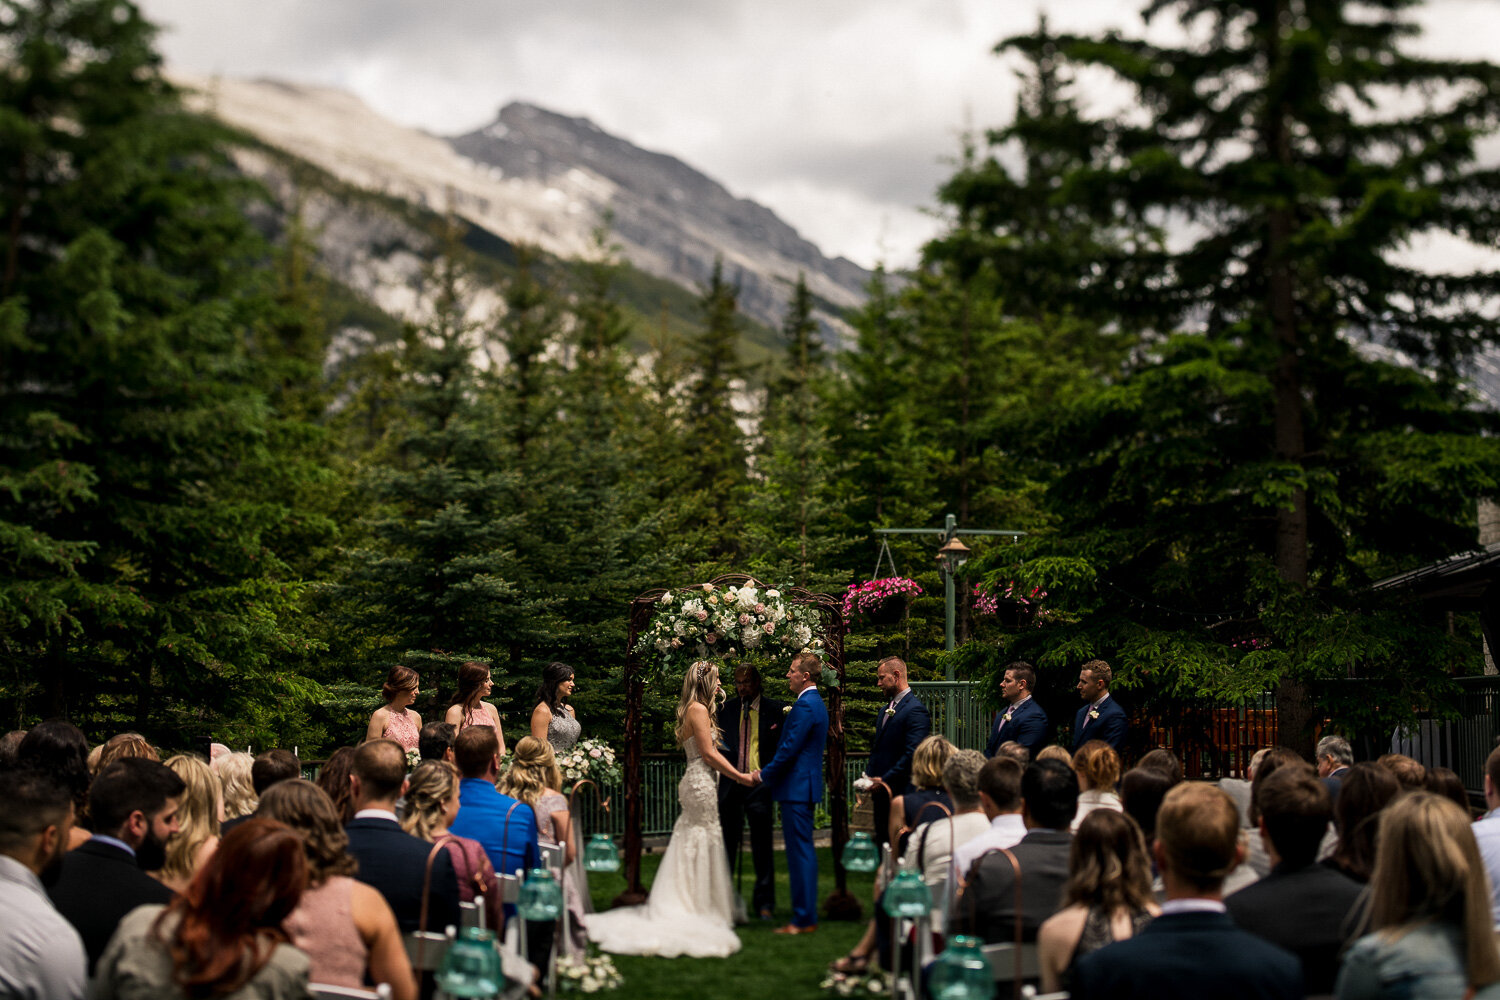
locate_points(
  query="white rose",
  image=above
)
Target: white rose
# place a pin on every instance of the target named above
(773, 594)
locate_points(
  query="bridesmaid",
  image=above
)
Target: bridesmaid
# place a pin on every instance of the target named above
(396, 721)
(469, 707)
(553, 722)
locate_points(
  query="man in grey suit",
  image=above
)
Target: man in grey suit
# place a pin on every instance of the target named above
(987, 906)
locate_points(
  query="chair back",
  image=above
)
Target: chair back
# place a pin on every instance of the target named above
(425, 948)
(468, 916)
(552, 856)
(1002, 959)
(327, 991)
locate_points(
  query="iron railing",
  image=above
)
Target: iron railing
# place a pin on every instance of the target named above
(956, 711)
(1462, 743)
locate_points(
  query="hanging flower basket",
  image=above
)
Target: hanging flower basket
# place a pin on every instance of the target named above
(1010, 607)
(881, 602)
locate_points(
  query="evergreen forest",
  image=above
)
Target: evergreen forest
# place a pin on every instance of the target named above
(1182, 348)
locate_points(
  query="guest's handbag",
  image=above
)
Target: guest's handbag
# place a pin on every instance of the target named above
(424, 948)
(973, 898)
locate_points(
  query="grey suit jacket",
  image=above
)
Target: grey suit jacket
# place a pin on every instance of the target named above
(987, 907)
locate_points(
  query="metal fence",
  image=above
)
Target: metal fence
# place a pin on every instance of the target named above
(956, 712)
(1462, 743)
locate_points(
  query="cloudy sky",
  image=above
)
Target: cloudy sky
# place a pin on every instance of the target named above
(841, 115)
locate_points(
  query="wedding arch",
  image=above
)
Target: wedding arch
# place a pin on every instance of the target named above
(828, 614)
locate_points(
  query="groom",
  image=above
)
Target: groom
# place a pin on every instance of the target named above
(795, 775)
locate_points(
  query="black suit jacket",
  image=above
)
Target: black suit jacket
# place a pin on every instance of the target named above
(1308, 911)
(1189, 956)
(768, 724)
(98, 885)
(394, 862)
(896, 738)
(988, 904)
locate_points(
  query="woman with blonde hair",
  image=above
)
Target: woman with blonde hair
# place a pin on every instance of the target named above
(346, 927)
(200, 811)
(1098, 769)
(123, 745)
(1108, 897)
(1430, 931)
(431, 806)
(234, 778)
(920, 803)
(691, 907)
(534, 779)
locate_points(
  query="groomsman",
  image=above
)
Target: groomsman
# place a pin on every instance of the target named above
(1101, 717)
(795, 775)
(751, 724)
(1023, 719)
(902, 724)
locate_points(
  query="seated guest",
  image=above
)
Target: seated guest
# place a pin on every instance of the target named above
(1000, 798)
(1332, 759)
(197, 822)
(1445, 781)
(59, 750)
(1367, 788)
(1015, 751)
(928, 849)
(1409, 774)
(390, 859)
(431, 805)
(504, 826)
(239, 795)
(1239, 788)
(1141, 793)
(333, 778)
(1165, 761)
(1256, 857)
(918, 804)
(1304, 907)
(1107, 898)
(222, 938)
(1192, 950)
(1055, 752)
(346, 927)
(1098, 768)
(41, 955)
(435, 741)
(1431, 933)
(987, 906)
(134, 804)
(269, 768)
(533, 778)
(1487, 830)
(9, 744)
(122, 746)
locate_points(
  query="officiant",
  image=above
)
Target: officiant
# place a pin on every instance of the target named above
(751, 725)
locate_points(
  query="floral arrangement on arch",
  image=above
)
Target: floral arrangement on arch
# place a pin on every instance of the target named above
(591, 759)
(711, 623)
(862, 598)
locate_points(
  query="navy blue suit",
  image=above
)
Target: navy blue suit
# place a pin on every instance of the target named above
(895, 739)
(1027, 726)
(99, 883)
(394, 862)
(1189, 956)
(1109, 727)
(795, 775)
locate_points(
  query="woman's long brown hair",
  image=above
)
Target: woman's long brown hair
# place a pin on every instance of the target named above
(229, 919)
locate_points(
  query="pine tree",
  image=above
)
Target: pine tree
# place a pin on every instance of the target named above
(130, 287)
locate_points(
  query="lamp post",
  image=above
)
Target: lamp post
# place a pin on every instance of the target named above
(950, 558)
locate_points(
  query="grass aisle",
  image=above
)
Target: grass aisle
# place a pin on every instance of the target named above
(769, 965)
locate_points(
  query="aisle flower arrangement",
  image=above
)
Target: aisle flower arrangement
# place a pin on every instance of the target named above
(847, 984)
(880, 597)
(713, 623)
(591, 759)
(587, 974)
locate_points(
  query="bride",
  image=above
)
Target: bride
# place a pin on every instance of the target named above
(691, 907)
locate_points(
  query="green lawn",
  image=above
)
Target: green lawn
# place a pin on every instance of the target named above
(768, 965)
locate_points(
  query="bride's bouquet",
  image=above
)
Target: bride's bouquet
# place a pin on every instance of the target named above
(593, 759)
(710, 623)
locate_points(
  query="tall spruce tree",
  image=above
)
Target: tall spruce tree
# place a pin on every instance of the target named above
(711, 420)
(133, 429)
(1298, 147)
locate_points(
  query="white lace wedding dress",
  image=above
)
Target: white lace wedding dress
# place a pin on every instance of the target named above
(691, 907)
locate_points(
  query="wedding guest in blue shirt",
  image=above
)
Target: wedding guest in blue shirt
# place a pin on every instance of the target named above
(41, 955)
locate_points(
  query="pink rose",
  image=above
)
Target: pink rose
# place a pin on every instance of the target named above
(760, 609)
(595, 754)
(711, 638)
(744, 619)
(770, 627)
(702, 616)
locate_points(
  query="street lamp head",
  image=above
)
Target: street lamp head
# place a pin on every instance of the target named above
(952, 555)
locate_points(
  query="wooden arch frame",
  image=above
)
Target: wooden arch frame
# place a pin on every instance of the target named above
(831, 613)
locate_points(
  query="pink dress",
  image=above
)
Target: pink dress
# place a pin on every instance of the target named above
(323, 926)
(401, 729)
(478, 717)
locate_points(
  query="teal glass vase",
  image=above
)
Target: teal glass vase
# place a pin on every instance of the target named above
(472, 966)
(541, 897)
(600, 854)
(861, 854)
(962, 972)
(907, 897)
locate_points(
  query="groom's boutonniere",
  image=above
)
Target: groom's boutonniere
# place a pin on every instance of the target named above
(786, 709)
(1093, 713)
(1008, 714)
(890, 712)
